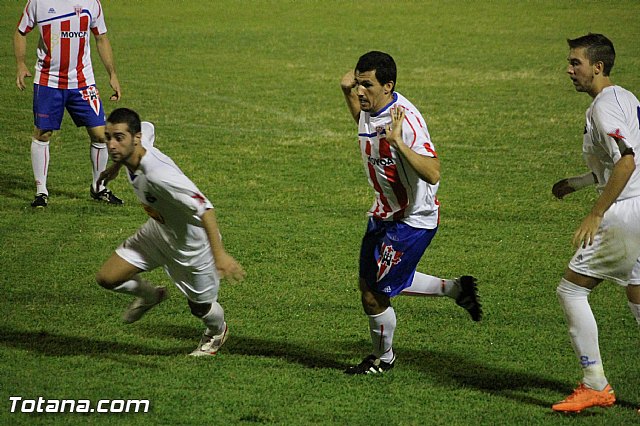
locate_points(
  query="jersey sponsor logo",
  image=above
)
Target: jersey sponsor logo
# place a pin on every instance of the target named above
(92, 96)
(388, 258)
(384, 162)
(74, 34)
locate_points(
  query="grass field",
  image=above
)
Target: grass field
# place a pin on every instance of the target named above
(246, 99)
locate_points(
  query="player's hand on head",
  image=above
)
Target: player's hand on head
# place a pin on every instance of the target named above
(394, 131)
(348, 81)
(562, 188)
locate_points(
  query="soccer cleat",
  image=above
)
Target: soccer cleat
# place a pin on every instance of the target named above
(585, 397)
(40, 201)
(210, 345)
(468, 297)
(106, 196)
(371, 365)
(139, 306)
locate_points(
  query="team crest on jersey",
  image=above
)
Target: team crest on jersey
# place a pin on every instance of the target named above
(78, 10)
(388, 258)
(380, 130)
(92, 96)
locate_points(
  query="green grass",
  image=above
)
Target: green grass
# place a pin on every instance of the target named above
(245, 97)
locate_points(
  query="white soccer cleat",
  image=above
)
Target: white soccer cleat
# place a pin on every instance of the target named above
(210, 345)
(140, 306)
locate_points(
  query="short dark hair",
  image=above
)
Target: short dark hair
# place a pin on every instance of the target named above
(598, 48)
(380, 62)
(127, 116)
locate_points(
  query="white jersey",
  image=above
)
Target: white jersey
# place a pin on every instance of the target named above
(400, 194)
(175, 205)
(612, 126)
(64, 57)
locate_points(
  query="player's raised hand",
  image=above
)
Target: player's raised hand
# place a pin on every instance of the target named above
(348, 81)
(21, 74)
(229, 268)
(394, 132)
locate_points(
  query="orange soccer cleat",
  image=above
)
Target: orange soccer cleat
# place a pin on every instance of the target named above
(584, 397)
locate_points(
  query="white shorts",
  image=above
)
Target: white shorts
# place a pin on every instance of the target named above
(615, 252)
(196, 278)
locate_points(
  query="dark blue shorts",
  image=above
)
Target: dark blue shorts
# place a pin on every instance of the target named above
(84, 106)
(390, 253)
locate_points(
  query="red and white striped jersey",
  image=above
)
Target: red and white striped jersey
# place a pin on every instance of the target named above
(401, 194)
(64, 57)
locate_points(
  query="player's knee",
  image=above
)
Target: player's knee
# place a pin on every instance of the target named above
(42, 135)
(374, 304)
(199, 309)
(104, 280)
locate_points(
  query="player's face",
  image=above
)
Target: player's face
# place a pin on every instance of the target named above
(120, 142)
(580, 70)
(372, 95)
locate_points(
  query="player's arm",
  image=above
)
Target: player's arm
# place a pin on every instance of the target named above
(20, 51)
(572, 184)
(428, 168)
(227, 266)
(620, 175)
(350, 96)
(106, 56)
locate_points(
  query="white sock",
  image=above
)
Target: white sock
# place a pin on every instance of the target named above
(583, 332)
(137, 287)
(99, 159)
(635, 310)
(214, 320)
(40, 164)
(427, 285)
(381, 327)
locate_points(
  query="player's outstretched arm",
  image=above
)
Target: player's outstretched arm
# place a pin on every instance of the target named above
(575, 183)
(227, 266)
(347, 85)
(106, 56)
(20, 51)
(109, 174)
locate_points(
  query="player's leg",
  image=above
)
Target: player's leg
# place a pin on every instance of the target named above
(86, 109)
(594, 390)
(633, 292)
(120, 272)
(463, 290)
(48, 109)
(200, 284)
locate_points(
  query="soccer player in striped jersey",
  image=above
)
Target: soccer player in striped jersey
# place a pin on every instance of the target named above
(403, 169)
(180, 236)
(64, 80)
(608, 238)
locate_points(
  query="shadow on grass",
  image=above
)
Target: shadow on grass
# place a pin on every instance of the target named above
(446, 369)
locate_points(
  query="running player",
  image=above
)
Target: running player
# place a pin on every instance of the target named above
(608, 239)
(403, 169)
(64, 80)
(182, 234)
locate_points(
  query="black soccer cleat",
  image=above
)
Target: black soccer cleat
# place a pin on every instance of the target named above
(105, 196)
(40, 201)
(468, 297)
(371, 365)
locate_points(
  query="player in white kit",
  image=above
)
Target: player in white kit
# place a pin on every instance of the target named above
(64, 80)
(608, 239)
(181, 235)
(403, 169)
